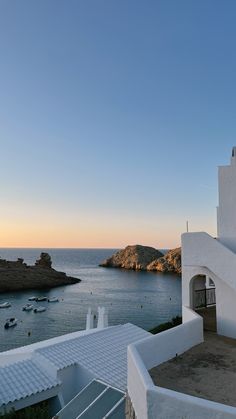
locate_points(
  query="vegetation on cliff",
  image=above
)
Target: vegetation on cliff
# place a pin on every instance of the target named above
(38, 411)
(176, 321)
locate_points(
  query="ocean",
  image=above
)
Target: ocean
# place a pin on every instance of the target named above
(142, 298)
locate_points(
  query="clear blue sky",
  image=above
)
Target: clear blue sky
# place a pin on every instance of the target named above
(114, 115)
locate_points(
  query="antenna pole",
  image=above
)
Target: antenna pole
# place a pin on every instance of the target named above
(187, 226)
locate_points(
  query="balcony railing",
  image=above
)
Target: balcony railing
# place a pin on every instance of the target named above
(204, 297)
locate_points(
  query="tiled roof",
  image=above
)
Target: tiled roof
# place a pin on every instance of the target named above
(104, 353)
(22, 379)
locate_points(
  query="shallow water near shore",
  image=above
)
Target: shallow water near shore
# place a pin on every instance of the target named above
(142, 298)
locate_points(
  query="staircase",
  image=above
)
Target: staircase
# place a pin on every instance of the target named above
(200, 249)
(97, 400)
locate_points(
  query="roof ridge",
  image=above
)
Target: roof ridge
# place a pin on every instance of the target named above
(82, 337)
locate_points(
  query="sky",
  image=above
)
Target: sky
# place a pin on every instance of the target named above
(114, 115)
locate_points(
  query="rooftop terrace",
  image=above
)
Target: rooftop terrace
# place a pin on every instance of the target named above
(207, 370)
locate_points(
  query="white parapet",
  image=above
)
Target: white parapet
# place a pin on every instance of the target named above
(153, 402)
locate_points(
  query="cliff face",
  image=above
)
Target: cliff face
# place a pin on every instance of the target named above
(171, 262)
(135, 257)
(17, 275)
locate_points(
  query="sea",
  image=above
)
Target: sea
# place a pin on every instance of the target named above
(145, 299)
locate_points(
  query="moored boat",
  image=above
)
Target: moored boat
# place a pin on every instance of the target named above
(10, 322)
(28, 307)
(38, 299)
(39, 309)
(6, 304)
(53, 300)
(32, 298)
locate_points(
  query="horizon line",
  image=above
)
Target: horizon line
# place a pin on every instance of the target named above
(78, 248)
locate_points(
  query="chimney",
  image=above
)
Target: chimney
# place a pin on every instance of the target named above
(102, 318)
(233, 158)
(90, 320)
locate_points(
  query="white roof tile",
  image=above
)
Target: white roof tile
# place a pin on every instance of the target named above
(104, 354)
(22, 379)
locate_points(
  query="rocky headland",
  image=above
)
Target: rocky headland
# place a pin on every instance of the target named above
(135, 257)
(144, 258)
(171, 262)
(17, 275)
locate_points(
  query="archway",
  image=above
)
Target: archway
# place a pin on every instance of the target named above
(203, 300)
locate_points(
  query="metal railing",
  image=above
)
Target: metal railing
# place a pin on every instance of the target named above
(204, 297)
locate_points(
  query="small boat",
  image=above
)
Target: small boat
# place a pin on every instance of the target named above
(5, 305)
(10, 322)
(32, 298)
(38, 299)
(27, 307)
(39, 309)
(53, 300)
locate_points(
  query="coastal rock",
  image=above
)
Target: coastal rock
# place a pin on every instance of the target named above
(171, 262)
(44, 260)
(135, 257)
(17, 276)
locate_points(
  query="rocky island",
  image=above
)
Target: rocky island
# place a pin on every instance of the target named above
(17, 275)
(144, 258)
(171, 262)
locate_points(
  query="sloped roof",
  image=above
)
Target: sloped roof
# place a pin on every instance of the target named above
(104, 353)
(22, 379)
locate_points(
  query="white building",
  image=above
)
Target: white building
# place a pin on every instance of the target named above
(205, 257)
(209, 280)
(59, 368)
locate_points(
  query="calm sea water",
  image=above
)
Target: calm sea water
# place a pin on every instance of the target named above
(143, 298)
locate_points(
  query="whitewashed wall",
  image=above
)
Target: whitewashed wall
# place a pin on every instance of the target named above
(152, 402)
(201, 250)
(73, 379)
(204, 255)
(159, 348)
(167, 404)
(226, 212)
(225, 310)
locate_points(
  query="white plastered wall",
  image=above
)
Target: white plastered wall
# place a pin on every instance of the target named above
(225, 299)
(225, 309)
(226, 211)
(73, 379)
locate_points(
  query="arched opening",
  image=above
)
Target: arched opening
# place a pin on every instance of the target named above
(203, 300)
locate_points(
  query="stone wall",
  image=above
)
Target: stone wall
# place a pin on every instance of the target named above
(129, 410)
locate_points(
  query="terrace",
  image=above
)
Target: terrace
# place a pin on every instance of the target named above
(208, 370)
